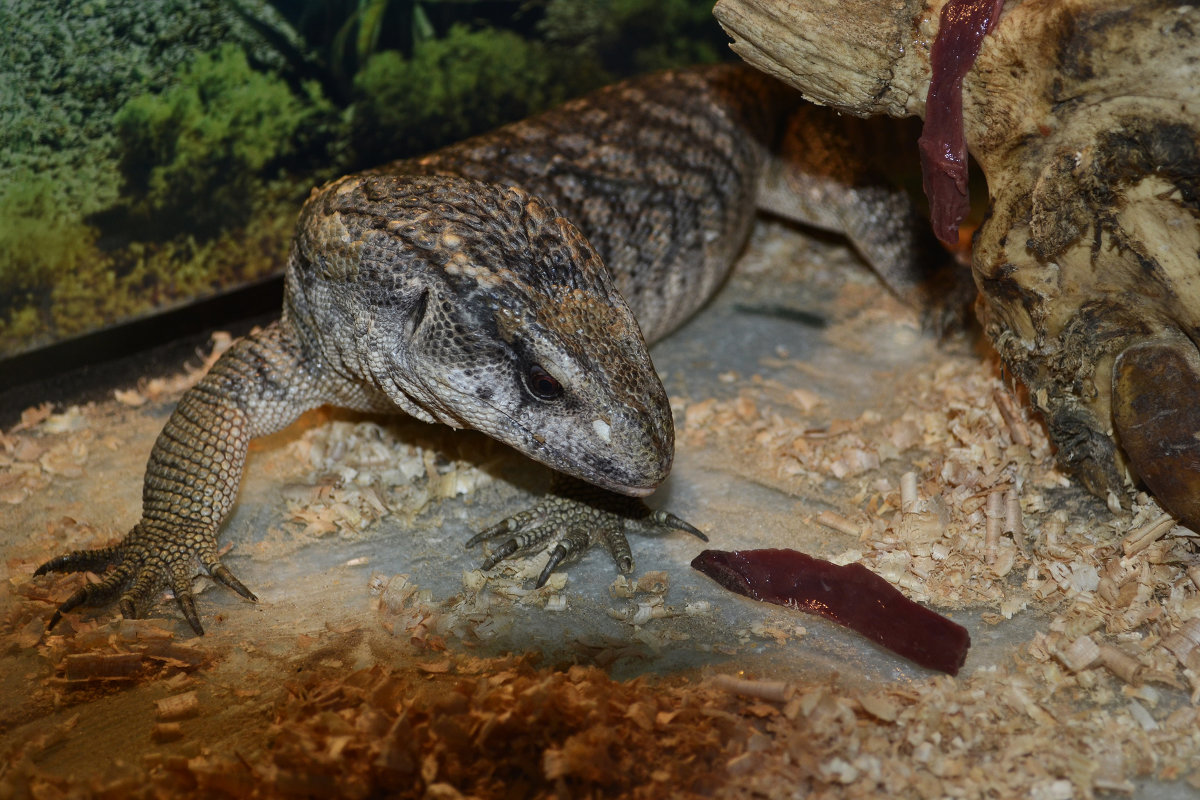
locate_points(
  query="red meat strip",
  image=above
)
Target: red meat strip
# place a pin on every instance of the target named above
(943, 145)
(852, 596)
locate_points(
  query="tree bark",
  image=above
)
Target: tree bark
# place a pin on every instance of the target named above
(1084, 116)
(863, 57)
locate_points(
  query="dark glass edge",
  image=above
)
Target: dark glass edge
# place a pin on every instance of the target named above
(89, 367)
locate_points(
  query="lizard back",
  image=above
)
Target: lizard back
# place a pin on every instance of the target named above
(659, 173)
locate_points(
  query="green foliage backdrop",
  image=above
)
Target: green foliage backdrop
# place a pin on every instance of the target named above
(156, 153)
(192, 156)
(451, 87)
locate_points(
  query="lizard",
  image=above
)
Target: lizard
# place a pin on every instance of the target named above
(510, 284)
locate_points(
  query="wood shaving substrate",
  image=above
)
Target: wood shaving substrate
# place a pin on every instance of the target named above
(969, 517)
(44, 445)
(979, 518)
(458, 727)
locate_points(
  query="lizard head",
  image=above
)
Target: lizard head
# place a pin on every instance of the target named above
(478, 306)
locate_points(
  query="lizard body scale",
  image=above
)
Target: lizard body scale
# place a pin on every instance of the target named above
(508, 284)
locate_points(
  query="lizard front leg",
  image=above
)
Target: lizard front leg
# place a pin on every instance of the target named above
(259, 386)
(578, 516)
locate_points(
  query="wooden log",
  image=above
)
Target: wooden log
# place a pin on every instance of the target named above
(864, 57)
(1085, 118)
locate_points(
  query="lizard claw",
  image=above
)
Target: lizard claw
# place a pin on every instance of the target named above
(221, 574)
(578, 517)
(139, 567)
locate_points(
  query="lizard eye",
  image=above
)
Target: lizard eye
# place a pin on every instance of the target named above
(542, 384)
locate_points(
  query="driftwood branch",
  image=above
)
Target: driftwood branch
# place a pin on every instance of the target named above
(864, 57)
(1085, 118)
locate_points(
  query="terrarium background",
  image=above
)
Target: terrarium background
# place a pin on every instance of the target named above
(156, 154)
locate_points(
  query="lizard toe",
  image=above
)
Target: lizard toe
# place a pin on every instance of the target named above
(187, 605)
(141, 585)
(617, 544)
(557, 556)
(575, 519)
(83, 561)
(150, 558)
(510, 525)
(90, 594)
(664, 522)
(127, 607)
(502, 552)
(221, 574)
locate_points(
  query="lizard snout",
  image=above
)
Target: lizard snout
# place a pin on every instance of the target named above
(640, 459)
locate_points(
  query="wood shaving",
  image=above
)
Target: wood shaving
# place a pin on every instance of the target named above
(460, 728)
(85, 656)
(363, 471)
(972, 526)
(946, 486)
(177, 707)
(155, 390)
(501, 728)
(41, 447)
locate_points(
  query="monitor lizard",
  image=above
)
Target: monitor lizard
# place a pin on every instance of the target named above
(510, 284)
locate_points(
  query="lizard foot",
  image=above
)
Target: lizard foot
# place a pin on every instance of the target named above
(580, 516)
(148, 559)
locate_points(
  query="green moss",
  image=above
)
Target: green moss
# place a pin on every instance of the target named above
(194, 158)
(66, 66)
(465, 83)
(154, 154)
(103, 288)
(26, 326)
(40, 240)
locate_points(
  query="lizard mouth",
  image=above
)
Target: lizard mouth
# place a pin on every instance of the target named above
(606, 474)
(632, 491)
(608, 477)
(636, 477)
(593, 466)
